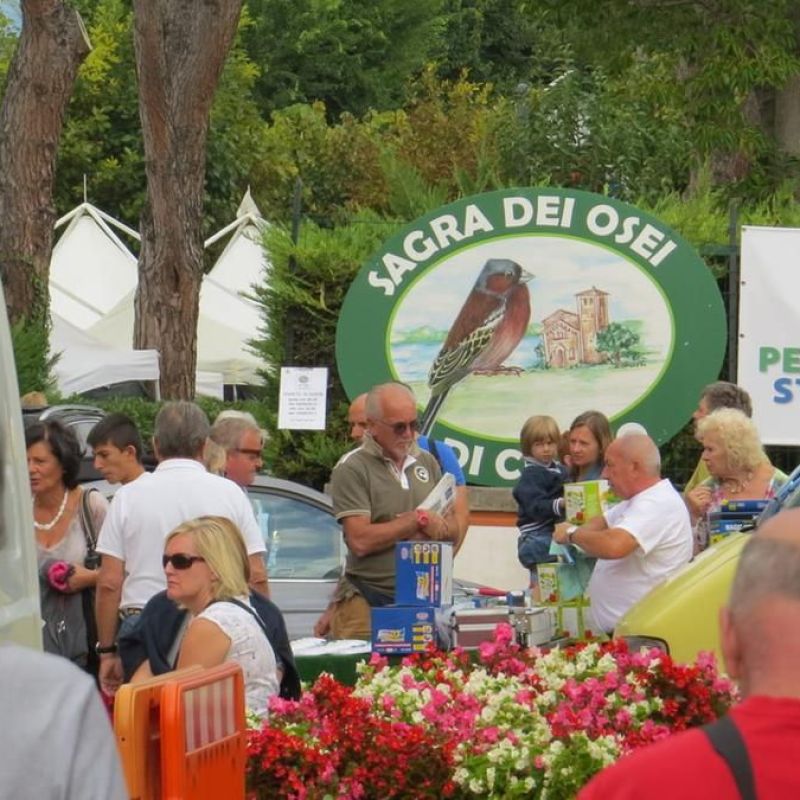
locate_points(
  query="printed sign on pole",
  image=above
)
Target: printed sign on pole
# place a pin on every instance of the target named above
(301, 406)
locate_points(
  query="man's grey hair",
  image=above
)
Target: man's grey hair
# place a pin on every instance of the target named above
(374, 404)
(723, 394)
(181, 430)
(235, 413)
(228, 431)
(767, 567)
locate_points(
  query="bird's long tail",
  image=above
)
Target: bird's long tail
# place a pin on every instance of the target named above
(431, 412)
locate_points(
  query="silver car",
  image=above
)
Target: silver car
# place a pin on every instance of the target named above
(305, 549)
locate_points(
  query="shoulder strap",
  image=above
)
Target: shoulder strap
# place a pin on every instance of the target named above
(252, 611)
(87, 521)
(726, 739)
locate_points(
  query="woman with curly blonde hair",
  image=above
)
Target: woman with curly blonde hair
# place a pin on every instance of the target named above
(739, 468)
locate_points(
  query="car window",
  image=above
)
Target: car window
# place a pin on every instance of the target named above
(81, 429)
(302, 541)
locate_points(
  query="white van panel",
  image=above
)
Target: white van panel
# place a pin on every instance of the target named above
(20, 618)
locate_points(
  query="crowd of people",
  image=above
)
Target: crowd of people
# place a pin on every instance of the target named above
(172, 572)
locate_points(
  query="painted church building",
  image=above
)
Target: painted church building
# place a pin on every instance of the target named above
(570, 338)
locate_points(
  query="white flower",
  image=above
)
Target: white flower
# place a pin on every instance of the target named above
(461, 776)
(490, 777)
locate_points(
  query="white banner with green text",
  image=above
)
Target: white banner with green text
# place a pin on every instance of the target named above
(769, 330)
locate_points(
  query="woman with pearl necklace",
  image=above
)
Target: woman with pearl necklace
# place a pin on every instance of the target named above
(62, 541)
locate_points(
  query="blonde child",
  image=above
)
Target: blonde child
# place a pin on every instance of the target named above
(538, 494)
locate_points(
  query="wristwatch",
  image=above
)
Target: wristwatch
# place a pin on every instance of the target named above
(571, 532)
(101, 651)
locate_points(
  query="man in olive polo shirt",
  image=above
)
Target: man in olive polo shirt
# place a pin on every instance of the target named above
(376, 490)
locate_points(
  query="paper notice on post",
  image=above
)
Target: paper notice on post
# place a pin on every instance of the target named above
(301, 405)
(442, 497)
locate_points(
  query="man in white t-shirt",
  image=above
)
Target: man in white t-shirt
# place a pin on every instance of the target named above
(639, 542)
(143, 512)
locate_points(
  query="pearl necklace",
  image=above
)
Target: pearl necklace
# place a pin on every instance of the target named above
(48, 526)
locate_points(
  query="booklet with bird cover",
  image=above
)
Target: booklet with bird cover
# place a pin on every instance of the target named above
(442, 496)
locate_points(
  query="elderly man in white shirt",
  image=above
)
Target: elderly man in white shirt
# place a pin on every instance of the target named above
(143, 512)
(638, 543)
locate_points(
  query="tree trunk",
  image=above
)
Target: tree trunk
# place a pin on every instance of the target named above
(181, 47)
(51, 47)
(787, 101)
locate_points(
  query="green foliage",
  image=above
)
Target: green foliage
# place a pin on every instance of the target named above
(503, 42)
(727, 60)
(352, 55)
(590, 131)
(679, 455)
(29, 340)
(621, 344)
(8, 42)
(302, 300)
(144, 412)
(446, 136)
(339, 165)
(101, 138)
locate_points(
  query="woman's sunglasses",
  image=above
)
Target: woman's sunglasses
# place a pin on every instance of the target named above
(180, 560)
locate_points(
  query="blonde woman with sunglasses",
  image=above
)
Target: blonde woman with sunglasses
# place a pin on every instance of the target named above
(207, 570)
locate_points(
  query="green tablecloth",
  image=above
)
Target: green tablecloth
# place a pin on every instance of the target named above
(342, 667)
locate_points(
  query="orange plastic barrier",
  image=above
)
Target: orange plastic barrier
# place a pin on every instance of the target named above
(203, 744)
(137, 726)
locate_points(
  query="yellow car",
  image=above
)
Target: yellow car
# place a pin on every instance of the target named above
(681, 615)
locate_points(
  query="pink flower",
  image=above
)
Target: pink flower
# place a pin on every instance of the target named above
(503, 634)
(623, 718)
(491, 735)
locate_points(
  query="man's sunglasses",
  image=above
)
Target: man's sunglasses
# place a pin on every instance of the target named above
(399, 428)
(180, 560)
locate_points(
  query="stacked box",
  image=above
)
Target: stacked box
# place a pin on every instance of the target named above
(424, 574)
(403, 629)
(754, 507)
(585, 500)
(733, 516)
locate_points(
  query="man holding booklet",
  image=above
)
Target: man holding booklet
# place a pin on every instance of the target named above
(639, 542)
(379, 492)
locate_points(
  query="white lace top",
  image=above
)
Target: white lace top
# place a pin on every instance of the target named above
(249, 648)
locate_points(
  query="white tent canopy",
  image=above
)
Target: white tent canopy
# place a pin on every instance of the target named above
(85, 363)
(93, 281)
(226, 322)
(242, 264)
(91, 269)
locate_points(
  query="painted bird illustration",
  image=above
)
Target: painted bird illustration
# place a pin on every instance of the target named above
(488, 327)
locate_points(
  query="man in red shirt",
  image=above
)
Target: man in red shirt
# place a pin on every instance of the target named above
(760, 630)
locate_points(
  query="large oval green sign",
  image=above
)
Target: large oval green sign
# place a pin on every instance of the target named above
(534, 301)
